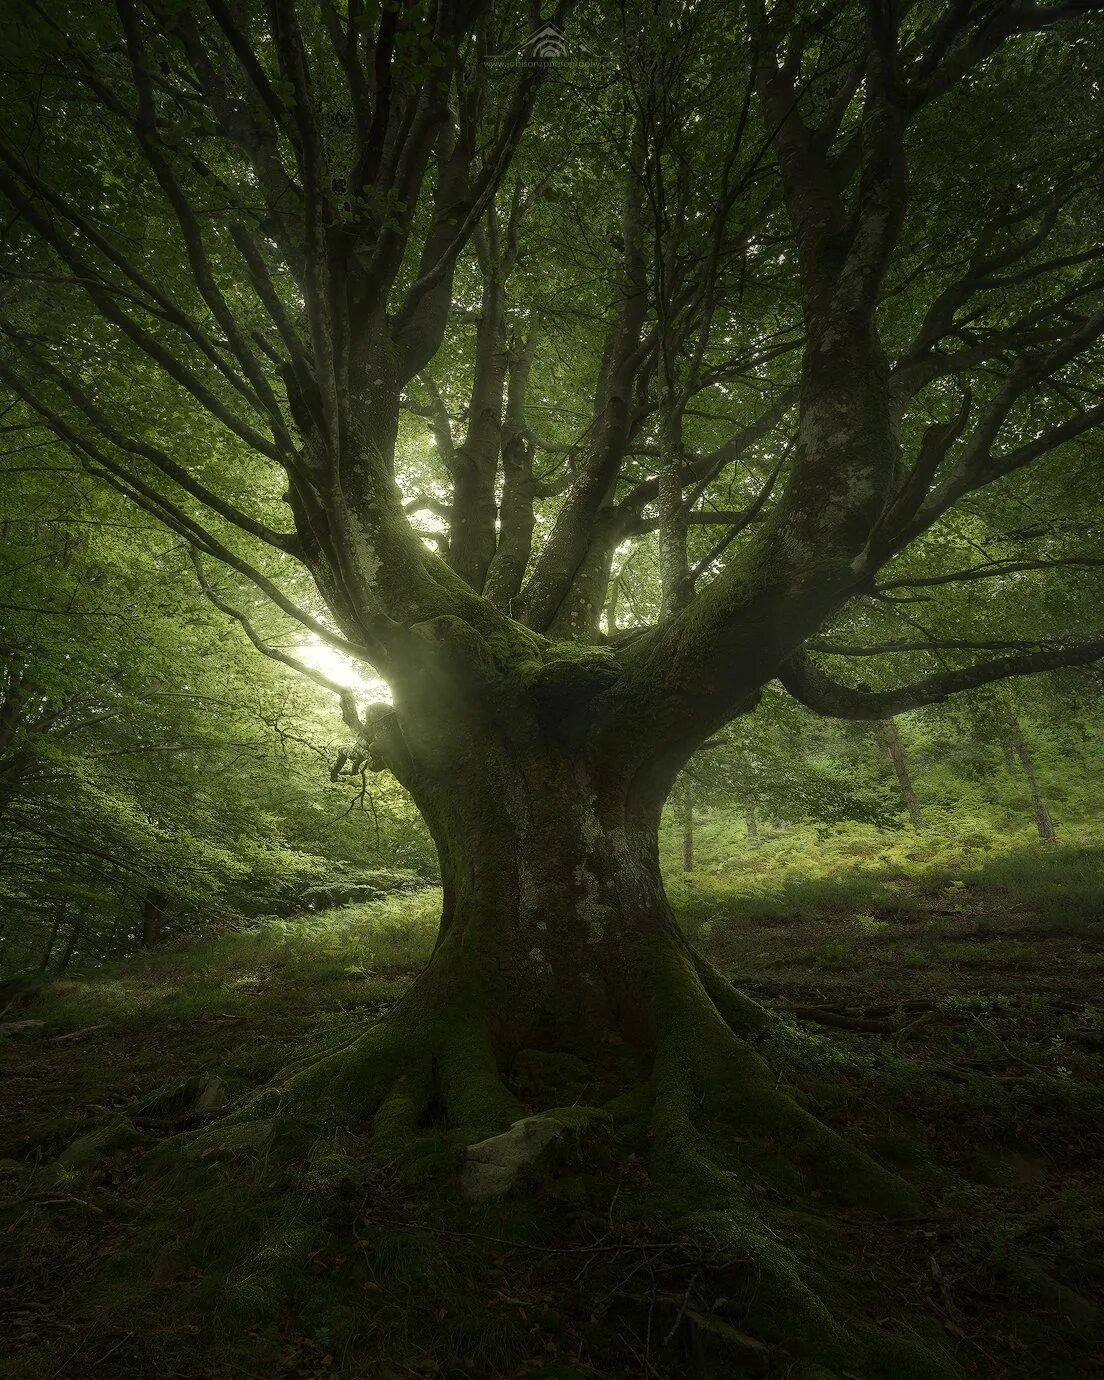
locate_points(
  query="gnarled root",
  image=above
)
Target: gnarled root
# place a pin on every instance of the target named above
(408, 1094)
(426, 1054)
(733, 1160)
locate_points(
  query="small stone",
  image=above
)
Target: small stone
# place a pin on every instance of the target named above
(212, 1096)
(494, 1165)
(117, 1133)
(245, 1135)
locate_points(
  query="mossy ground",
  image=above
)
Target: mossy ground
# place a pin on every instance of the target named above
(980, 1085)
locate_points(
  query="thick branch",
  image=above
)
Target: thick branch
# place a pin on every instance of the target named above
(806, 683)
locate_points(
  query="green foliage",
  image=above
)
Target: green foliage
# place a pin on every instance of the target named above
(157, 779)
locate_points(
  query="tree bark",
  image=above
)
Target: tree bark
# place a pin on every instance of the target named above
(896, 749)
(1017, 743)
(752, 826)
(553, 902)
(687, 813)
(153, 917)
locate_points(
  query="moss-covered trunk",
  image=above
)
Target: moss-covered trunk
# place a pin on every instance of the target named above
(554, 906)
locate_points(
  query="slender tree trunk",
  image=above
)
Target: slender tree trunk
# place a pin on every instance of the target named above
(516, 518)
(673, 566)
(153, 917)
(475, 462)
(1017, 743)
(613, 597)
(896, 749)
(752, 826)
(687, 814)
(71, 943)
(59, 917)
(119, 940)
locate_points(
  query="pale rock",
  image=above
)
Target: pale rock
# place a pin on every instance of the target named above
(493, 1165)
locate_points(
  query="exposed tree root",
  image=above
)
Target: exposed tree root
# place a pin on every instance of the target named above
(727, 1144)
(732, 1156)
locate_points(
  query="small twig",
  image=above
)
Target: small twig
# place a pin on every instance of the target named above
(682, 1310)
(1016, 1059)
(922, 1019)
(528, 1246)
(76, 1034)
(122, 1341)
(50, 1202)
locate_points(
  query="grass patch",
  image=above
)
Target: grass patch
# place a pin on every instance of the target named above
(806, 910)
(332, 960)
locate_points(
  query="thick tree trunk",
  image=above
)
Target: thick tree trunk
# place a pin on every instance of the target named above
(562, 989)
(553, 901)
(556, 933)
(557, 937)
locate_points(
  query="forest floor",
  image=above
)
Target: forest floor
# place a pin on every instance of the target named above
(959, 1037)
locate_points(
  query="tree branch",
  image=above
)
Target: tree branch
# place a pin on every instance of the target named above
(812, 688)
(989, 571)
(345, 696)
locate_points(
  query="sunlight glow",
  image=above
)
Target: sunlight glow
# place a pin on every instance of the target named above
(368, 688)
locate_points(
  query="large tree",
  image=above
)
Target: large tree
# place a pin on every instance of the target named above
(824, 286)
